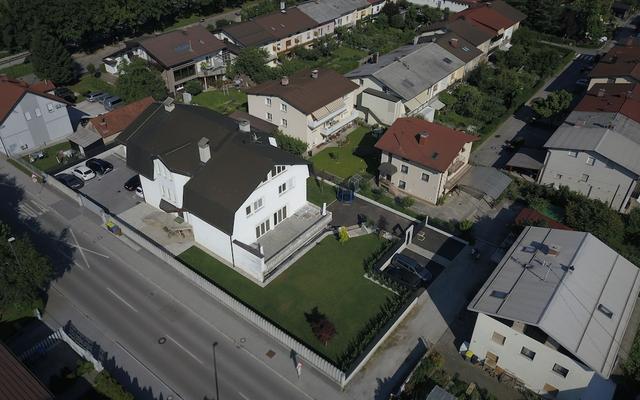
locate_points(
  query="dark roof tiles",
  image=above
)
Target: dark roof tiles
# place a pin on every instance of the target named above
(183, 45)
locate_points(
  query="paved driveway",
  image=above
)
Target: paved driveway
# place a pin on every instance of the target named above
(90, 109)
(345, 214)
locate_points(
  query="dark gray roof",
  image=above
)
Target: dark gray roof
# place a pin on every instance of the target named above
(329, 10)
(217, 188)
(558, 280)
(438, 393)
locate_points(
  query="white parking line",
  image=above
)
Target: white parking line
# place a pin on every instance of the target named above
(117, 296)
(185, 350)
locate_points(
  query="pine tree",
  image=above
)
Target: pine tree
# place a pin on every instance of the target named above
(50, 59)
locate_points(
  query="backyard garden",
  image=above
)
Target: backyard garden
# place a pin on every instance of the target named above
(224, 103)
(336, 316)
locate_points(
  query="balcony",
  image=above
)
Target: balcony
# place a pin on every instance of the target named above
(212, 68)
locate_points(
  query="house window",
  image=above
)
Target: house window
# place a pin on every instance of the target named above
(277, 170)
(402, 185)
(282, 188)
(267, 101)
(527, 353)
(584, 178)
(38, 113)
(263, 228)
(269, 117)
(284, 122)
(27, 116)
(404, 169)
(572, 153)
(258, 204)
(591, 160)
(425, 177)
(50, 107)
(248, 210)
(283, 107)
(560, 370)
(279, 216)
(498, 338)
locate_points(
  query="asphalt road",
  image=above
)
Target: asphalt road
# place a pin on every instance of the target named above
(107, 287)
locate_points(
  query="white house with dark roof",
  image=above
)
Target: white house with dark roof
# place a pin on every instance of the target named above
(554, 313)
(244, 198)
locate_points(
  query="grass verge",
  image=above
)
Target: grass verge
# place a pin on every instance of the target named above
(17, 71)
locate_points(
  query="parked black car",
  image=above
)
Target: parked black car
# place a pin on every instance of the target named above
(99, 166)
(132, 183)
(70, 181)
(65, 93)
(403, 276)
(412, 266)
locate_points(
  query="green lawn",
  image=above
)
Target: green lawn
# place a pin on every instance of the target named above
(222, 103)
(329, 276)
(344, 59)
(17, 71)
(49, 162)
(356, 156)
(320, 192)
(89, 83)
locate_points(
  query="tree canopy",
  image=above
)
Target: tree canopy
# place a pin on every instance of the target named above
(554, 103)
(137, 80)
(50, 59)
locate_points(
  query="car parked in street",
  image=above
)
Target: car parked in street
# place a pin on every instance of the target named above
(133, 183)
(412, 266)
(70, 181)
(99, 166)
(83, 173)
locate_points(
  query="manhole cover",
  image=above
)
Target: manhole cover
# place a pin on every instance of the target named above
(271, 353)
(162, 340)
(242, 340)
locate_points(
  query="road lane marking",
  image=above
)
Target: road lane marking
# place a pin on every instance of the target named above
(89, 250)
(117, 296)
(28, 211)
(84, 258)
(185, 350)
(41, 207)
(243, 396)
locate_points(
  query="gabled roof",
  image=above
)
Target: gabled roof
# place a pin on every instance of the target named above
(12, 92)
(507, 10)
(410, 70)
(485, 16)
(216, 189)
(328, 10)
(608, 143)
(473, 33)
(612, 98)
(43, 86)
(270, 27)
(567, 295)
(458, 46)
(116, 121)
(17, 382)
(306, 93)
(426, 143)
(619, 61)
(183, 45)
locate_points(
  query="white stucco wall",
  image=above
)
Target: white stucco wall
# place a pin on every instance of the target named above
(453, 6)
(539, 371)
(211, 238)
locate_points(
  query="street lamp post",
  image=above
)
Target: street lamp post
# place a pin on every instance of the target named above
(13, 250)
(215, 370)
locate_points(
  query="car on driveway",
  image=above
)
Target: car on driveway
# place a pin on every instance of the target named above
(412, 266)
(83, 172)
(99, 166)
(112, 103)
(133, 183)
(70, 181)
(65, 93)
(403, 277)
(95, 96)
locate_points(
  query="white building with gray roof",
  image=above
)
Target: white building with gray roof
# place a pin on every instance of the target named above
(554, 313)
(405, 81)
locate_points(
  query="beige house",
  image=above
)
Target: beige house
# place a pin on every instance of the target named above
(309, 105)
(422, 159)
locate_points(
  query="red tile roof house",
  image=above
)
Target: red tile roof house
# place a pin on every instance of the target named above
(620, 65)
(30, 118)
(422, 159)
(496, 19)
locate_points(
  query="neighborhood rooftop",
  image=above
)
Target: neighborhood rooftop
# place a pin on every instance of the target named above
(495, 16)
(569, 284)
(218, 187)
(177, 47)
(16, 381)
(13, 91)
(329, 10)
(623, 98)
(459, 47)
(116, 121)
(619, 61)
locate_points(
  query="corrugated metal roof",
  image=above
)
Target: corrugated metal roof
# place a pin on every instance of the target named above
(562, 294)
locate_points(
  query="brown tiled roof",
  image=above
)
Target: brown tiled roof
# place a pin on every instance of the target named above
(473, 33)
(305, 93)
(529, 215)
(459, 47)
(12, 91)
(613, 98)
(485, 16)
(619, 61)
(436, 148)
(43, 86)
(119, 119)
(17, 382)
(182, 45)
(508, 11)
(271, 27)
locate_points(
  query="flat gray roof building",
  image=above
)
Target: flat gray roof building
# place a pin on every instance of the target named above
(569, 284)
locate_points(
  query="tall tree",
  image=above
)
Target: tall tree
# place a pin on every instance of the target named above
(137, 80)
(251, 62)
(50, 59)
(554, 103)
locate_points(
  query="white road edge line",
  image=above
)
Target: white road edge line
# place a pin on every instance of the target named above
(185, 350)
(121, 299)
(84, 258)
(243, 396)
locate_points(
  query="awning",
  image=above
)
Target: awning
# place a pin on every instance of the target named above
(484, 182)
(532, 159)
(168, 207)
(84, 137)
(328, 109)
(387, 168)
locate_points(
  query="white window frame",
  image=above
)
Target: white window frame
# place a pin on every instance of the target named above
(572, 153)
(402, 185)
(283, 107)
(404, 169)
(282, 189)
(27, 115)
(269, 116)
(285, 123)
(267, 101)
(38, 113)
(258, 204)
(591, 160)
(425, 175)
(50, 107)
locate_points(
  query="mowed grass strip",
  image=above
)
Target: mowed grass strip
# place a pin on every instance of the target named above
(357, 156)
(329, 276)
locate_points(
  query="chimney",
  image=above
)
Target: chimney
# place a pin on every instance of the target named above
(244, 126)
(168, 104)
(601, 92)
(314, 74)
(283, 6)
(454, 42)
(553, 249)
(284, 81)
(204, 150)
(421, 137)
(103, 121)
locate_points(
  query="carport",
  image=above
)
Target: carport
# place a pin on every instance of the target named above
(485, 183)
(86, 141)
(527, 160)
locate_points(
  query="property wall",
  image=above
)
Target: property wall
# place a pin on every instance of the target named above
(296, 120)
(453, 6)
(425, 190)
(34, 122)
(295, 176)
(606, 181)
(539, 371)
